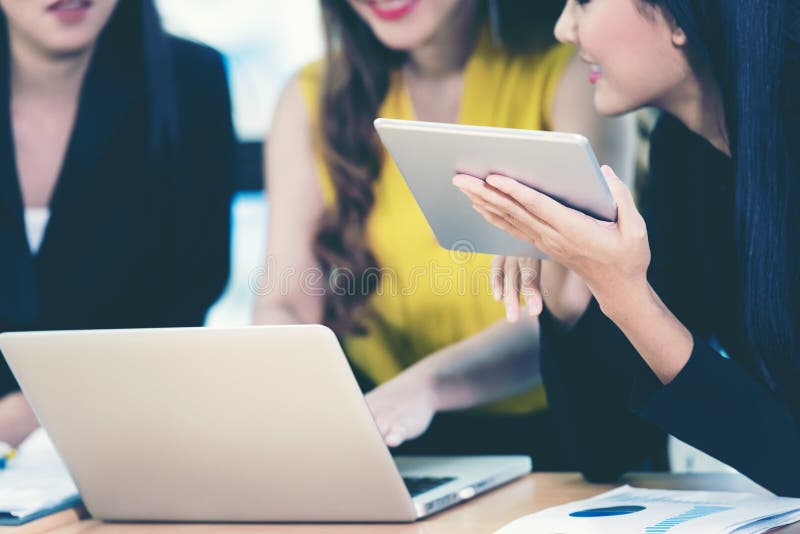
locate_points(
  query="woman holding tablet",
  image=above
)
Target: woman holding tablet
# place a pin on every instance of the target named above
(116, 153)
(696, 309)
(374, 270)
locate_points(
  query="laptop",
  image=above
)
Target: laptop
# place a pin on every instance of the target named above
(254, 424)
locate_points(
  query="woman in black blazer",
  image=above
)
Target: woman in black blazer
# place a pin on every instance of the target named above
(116, 156)
(694, 324)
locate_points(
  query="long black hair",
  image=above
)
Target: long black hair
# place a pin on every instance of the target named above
(752, 50)
(135, 37)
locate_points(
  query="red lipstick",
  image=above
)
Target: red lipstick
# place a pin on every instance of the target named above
(392, 10)
(595, 74)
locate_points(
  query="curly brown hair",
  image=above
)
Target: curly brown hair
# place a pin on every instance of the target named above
(356, 80)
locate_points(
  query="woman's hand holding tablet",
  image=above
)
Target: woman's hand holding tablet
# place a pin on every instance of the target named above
(611, 257)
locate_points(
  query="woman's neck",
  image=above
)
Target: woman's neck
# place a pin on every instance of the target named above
(37, 75)
(702, 111)
(447, 51)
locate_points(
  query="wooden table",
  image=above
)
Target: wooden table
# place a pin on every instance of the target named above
(484, 514)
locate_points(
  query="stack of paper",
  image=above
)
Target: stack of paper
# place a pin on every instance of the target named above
(628, 509)
(35, 482)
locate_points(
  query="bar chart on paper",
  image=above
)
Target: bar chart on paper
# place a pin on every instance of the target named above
(628, 509)
(695, 513)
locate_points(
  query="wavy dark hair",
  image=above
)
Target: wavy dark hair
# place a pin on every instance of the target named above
(135, 38)
(356, 81)
(752, 49)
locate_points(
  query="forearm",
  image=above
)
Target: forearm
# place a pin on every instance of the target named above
(658, 336)
(497, 363)
(564, 293)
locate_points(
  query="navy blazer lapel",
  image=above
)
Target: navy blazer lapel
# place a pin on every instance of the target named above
(19, 305)
(10, 195)
(107, 96)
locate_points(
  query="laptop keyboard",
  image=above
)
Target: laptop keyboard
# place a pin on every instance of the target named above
(419, 485)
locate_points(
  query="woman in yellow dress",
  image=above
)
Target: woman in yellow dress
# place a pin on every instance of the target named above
(348, 246)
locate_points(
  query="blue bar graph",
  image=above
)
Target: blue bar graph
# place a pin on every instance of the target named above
(695, 513)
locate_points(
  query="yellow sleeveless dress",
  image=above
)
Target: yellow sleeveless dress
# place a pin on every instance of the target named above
(429, 297)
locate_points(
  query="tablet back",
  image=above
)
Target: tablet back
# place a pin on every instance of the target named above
(428, 155)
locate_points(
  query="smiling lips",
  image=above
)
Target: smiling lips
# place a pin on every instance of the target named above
(392, 9)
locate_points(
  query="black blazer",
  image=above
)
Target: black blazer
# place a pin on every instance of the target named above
(720, 402)
(126, 246)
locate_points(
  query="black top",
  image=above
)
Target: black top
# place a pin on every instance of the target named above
(127, 245)
(719, 402)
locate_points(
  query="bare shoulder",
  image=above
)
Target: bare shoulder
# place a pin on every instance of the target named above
(289, 145)
(291, 111)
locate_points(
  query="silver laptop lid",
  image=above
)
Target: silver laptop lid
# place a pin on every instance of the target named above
(249, 424)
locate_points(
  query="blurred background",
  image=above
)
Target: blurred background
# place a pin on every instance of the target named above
(264, 44)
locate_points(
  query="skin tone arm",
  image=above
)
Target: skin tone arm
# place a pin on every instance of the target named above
(499, 362)
(503, 360)
(290, 290)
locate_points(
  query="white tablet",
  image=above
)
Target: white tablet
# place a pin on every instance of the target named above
(429, 154)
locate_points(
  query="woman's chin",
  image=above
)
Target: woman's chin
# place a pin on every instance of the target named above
(609, 104)
(68, 45)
